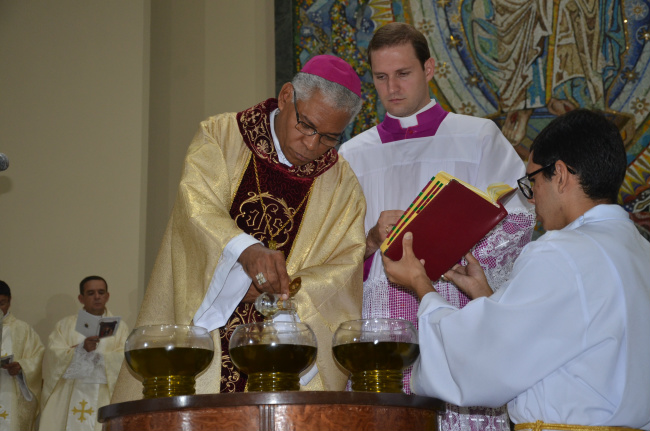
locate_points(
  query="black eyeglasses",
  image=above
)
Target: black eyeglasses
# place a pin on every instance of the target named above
(526, 182)
(307, 130)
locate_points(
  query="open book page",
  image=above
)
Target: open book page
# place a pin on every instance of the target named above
(494, 193)
(500, 192)
(90, 325)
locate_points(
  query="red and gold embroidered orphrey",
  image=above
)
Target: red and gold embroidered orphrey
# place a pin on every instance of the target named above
(233, 380)
(283, 189)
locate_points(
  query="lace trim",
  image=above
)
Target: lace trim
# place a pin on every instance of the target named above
(499, 249)
(87, 367)
(474, 419)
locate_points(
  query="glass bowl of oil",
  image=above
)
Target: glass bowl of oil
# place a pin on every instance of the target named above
(168, 358)
(273, 354)
(375, 352)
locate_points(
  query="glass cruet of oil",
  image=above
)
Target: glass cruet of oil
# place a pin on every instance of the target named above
(269, 304)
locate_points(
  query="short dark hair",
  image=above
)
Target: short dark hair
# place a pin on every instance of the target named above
(589, 144)
(399, 33)
(4, 289)
(90, 278)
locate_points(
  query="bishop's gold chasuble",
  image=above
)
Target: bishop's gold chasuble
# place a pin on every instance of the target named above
(232, 183)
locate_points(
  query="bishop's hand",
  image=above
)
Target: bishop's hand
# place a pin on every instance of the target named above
(267, 269)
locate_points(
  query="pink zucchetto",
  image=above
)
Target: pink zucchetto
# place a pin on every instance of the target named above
(335, 70)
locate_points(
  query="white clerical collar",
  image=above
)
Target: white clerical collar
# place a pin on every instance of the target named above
(104, 314)
(412, 120)
(276, 143)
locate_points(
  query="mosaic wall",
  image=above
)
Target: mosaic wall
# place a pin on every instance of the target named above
(518, 62)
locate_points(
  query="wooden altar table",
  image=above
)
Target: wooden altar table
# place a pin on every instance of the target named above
(275, 411)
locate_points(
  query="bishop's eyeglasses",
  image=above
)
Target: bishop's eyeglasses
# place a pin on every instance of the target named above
(307, 130)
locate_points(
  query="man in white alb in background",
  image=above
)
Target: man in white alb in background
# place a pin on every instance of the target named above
(79, 372)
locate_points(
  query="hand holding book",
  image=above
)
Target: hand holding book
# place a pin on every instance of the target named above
(408, 270)
(470, 278)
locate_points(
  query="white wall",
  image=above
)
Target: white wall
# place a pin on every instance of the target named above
(89, 189)
(73, 113)
(239, 55)
(207, 57)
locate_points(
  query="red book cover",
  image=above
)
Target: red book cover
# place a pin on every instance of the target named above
(444, 230)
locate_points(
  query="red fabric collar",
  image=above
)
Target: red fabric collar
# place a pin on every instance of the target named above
(391, 130)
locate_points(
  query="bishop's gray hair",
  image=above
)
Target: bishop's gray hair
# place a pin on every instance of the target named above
(334, 95)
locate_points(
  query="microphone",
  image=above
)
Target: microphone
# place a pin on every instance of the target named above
(4, 162)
